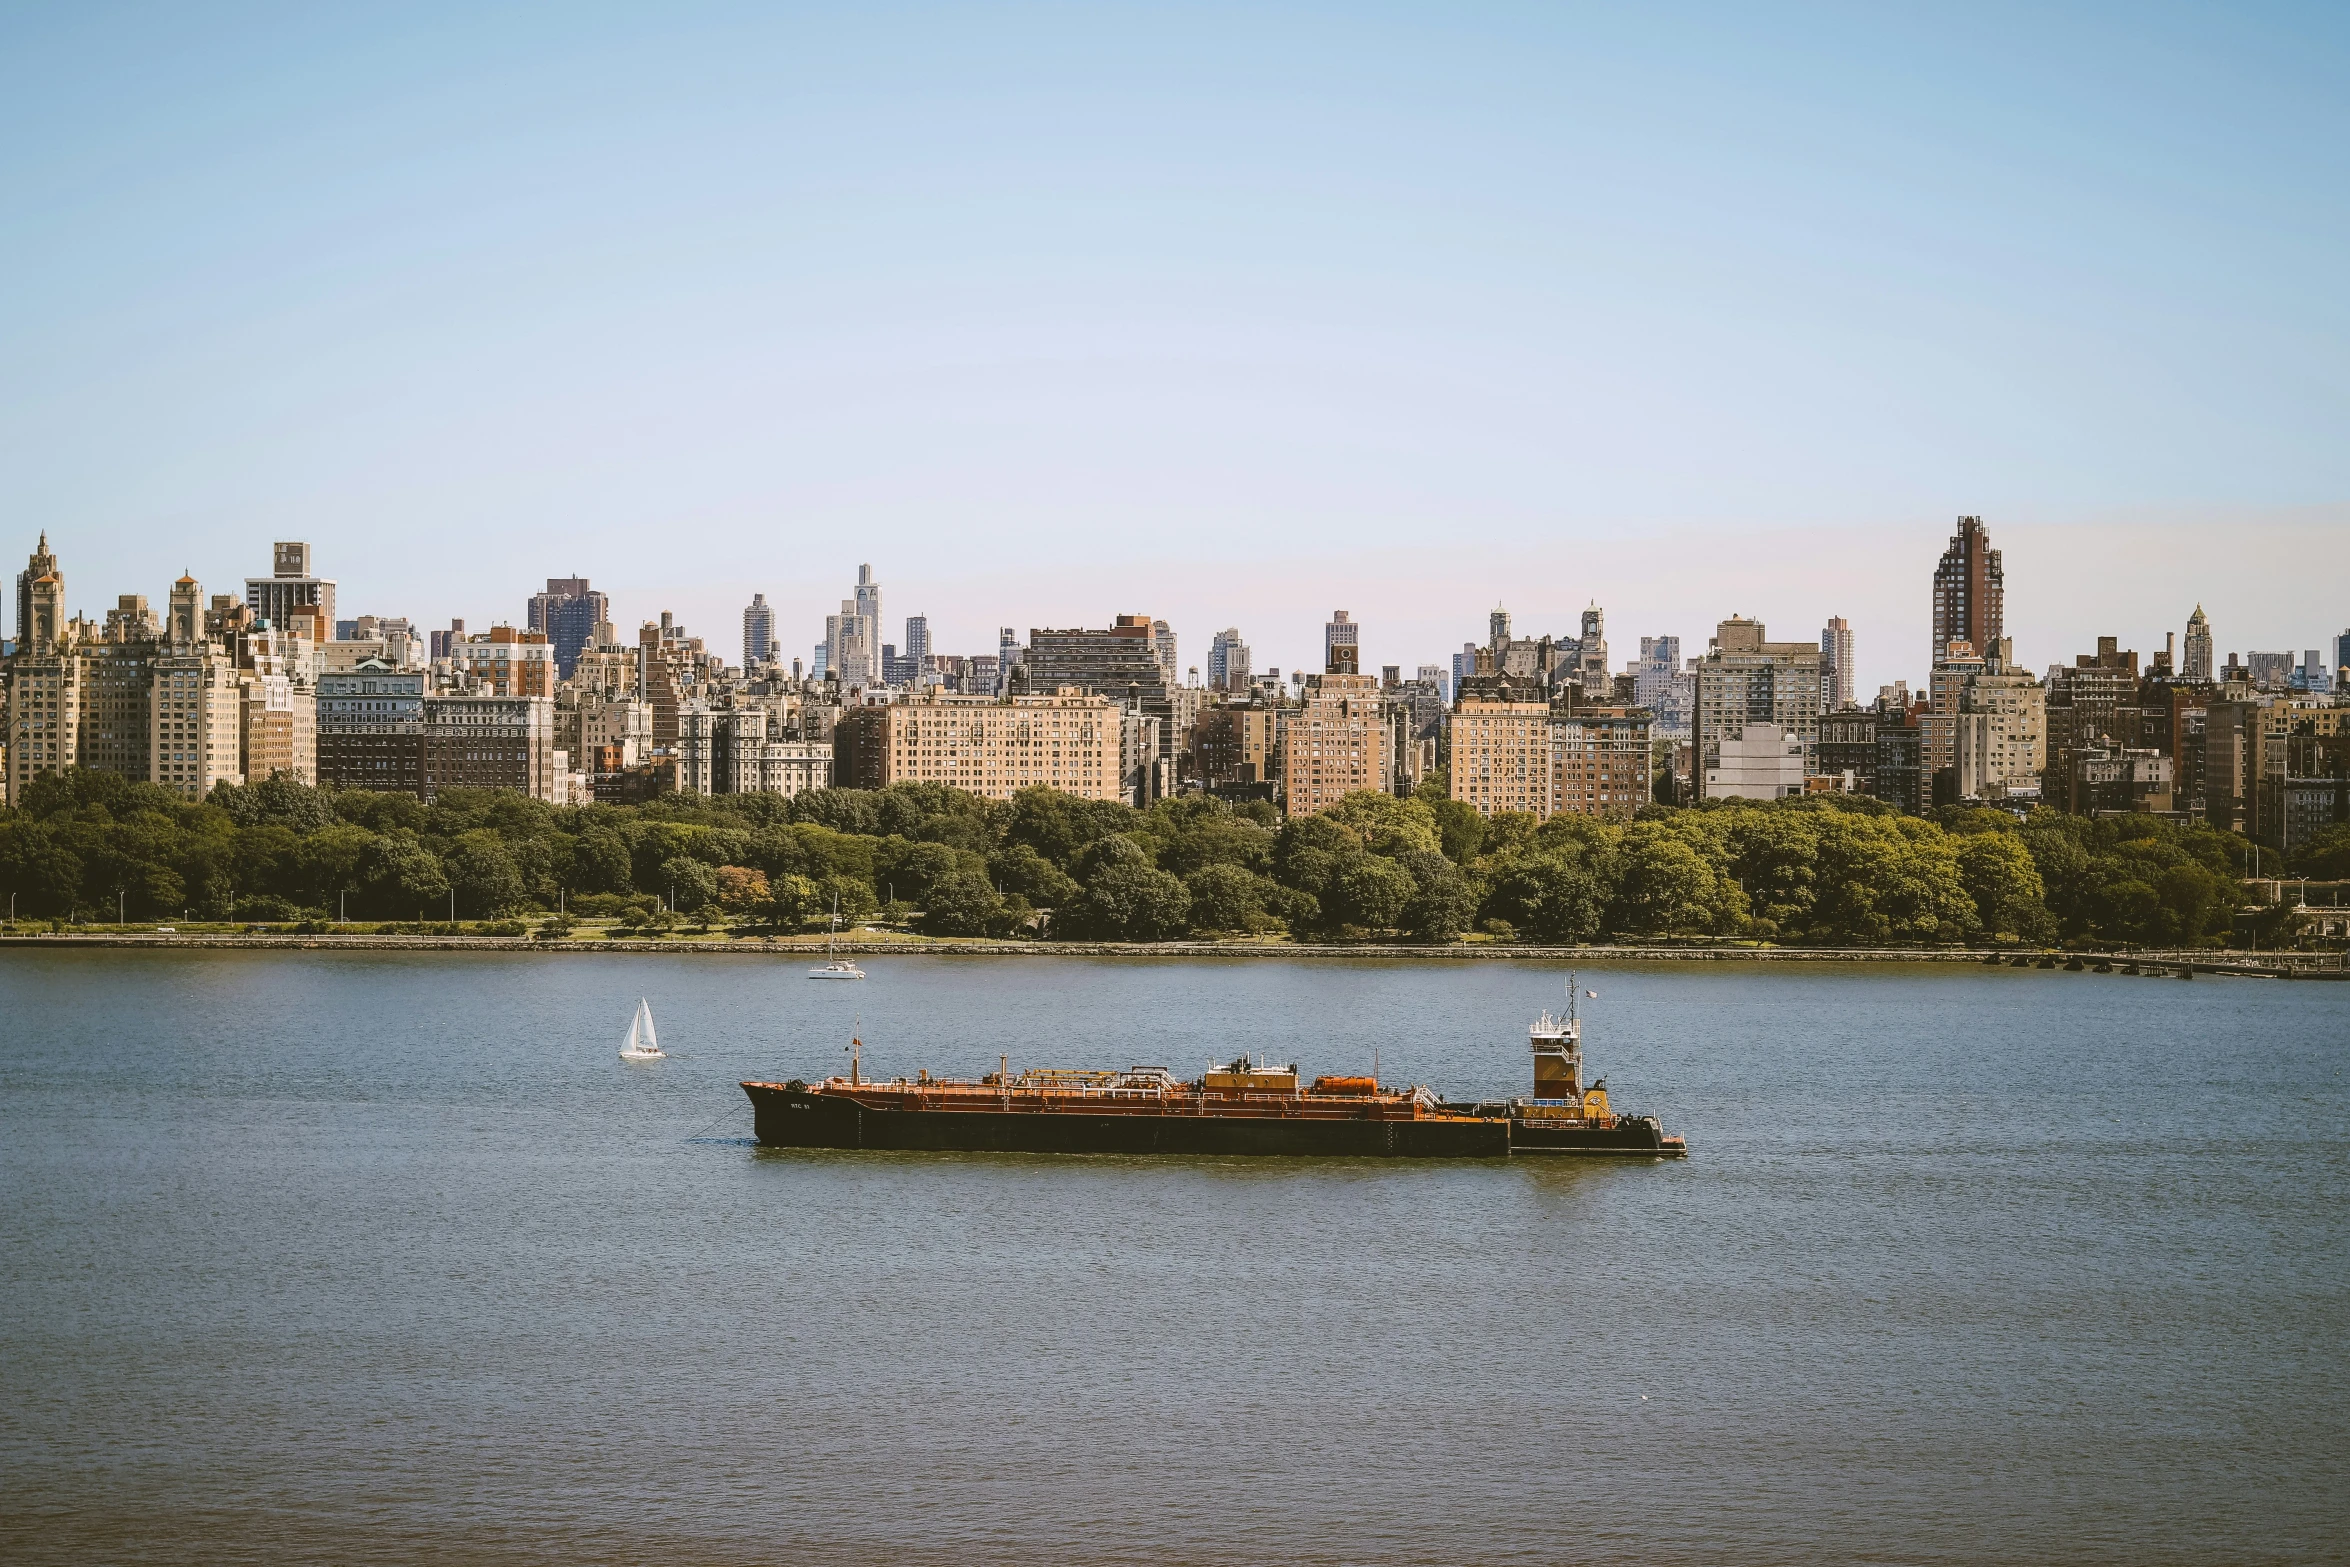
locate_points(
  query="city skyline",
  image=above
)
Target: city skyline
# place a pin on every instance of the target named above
(1274, 611)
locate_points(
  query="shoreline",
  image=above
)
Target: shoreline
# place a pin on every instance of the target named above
(2207, 961)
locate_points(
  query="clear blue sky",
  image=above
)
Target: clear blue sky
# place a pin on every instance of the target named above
(1053, 312)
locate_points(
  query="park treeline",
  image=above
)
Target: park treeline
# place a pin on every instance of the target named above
(85, 845)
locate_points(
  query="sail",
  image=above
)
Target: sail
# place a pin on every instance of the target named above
(628, 1041)
(644, 1012)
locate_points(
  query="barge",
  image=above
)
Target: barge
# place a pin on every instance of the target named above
(1241, 1107)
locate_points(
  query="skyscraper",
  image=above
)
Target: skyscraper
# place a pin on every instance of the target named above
(2195, 663)
(852, 638)
(290, 590)
(1970, 591)
(759, 645)
(1664, 687)
(1008, 657)
(1836, 665)
(869, 598)
(1122, 662)
(917, 640)
(567, 614)
(1341, 654)
(1228, 661)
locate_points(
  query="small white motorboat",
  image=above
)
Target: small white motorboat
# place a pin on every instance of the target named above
(641, 1044)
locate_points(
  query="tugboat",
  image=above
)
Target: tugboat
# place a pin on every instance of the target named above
(1566, 1117)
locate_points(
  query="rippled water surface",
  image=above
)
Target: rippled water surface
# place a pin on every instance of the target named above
(384, 1258)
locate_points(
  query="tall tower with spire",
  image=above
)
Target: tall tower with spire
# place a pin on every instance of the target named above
(185, 626)
(2195, 662)
(41, 564)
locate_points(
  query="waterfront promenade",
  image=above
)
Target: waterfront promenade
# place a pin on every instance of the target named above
(2280, 965)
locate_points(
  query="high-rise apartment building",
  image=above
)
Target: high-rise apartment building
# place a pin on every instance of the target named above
(1955, 668)
(2091, 704)
(193, 702)
(2000, 732)
(567, 615)
(291, 592)
(1847, 749)
(490, 742)
(1836, 664)
(759, 644)
(2195, 652)
(746, 749)
(2270, 671)
(505, 662)
(917, 654)
(1501, 748)
(1600, 761)
(1515, 750)
(1745, 679)
(1969, 590)
(1066, 740)
(371, 728)
(278, 705)
(852, 646)
(1335, 744)
(1228, 661)
(1761, 762)
(1163, 641)
(144, 698)
(1125, 662)
(1341, 652)
(1664, 687)
(665, 662)
(1009, 655)
(1236, 745)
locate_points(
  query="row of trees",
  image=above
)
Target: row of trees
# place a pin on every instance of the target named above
(1830, 870)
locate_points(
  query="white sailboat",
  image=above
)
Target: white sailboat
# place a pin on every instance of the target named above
(641, 1044)
(835, 967)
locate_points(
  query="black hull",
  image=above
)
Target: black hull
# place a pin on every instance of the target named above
(1635, 1139)
(788, 1118)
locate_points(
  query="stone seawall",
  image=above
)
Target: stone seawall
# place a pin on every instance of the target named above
(2265, 964)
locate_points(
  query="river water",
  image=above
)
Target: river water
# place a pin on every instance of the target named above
(373, 1257)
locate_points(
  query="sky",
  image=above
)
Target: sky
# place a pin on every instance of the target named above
(1226, 315)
